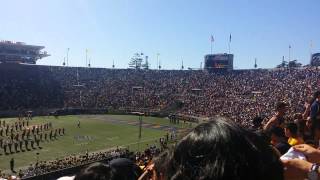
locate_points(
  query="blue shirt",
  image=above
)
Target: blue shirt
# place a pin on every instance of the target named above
(314, 110)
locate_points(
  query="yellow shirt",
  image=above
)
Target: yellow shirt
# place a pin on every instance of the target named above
(295, 141)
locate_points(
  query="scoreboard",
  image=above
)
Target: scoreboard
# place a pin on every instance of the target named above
(218, 62)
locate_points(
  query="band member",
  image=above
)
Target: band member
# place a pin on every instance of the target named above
(12, 165)
(7, 130)
(5, 144)
(10, 146)
(11, 130)
(78, 124)
(37, 139)
(32, 143)
(20, 126)
(16, 146)
(33, 129)
(50, 135)
(20, 145)
(26, 143)
(55, 133)
(28, 133)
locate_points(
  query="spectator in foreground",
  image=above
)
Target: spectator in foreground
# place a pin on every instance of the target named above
(117, 169)
(222, 150)
(125, 169)
(291, 132)
(315, 116)
(278, 140)
(297, 169)
(95, 171)
(278, 119)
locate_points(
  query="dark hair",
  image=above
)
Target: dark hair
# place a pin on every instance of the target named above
(277, 131)
(280, 105)
(292, 127)
(257, 121)
(161, 162)
(95, 171)
(221, 150)
(316, 94)
(125, 169)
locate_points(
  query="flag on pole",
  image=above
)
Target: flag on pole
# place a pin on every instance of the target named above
(212, 39)
(230, 38)
(289, 46)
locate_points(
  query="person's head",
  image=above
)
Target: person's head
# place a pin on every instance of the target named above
(161, 164)
(281, 107)
(95, 171)
(125, 169)
(316, 95)
(222, 150)
(291, 130)
(257, 122)
(276, 135)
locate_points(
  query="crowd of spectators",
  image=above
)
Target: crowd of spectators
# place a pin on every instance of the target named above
(28, 87)
(42, 167)
(240, 95)
(60, 164)
(278, 108)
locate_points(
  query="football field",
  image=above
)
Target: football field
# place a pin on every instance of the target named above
(96, 132)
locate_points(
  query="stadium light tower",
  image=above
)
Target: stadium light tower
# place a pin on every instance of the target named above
(68, 49)
(255, 63)
(182, 67)
(158, 61)
(289, 53)
(86, 57)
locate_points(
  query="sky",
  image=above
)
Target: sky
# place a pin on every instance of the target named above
(179, 30)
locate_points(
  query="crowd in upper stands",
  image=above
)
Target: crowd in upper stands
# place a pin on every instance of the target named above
(239, 95)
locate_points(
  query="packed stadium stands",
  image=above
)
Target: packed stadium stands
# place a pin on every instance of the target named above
(250, 98)
(240, 95)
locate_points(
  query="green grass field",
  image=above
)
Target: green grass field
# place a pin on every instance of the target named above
(104, 131)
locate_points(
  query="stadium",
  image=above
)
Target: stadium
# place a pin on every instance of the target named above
(90, 97)
(57, 119)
